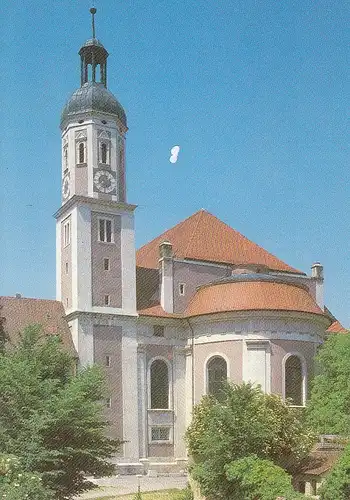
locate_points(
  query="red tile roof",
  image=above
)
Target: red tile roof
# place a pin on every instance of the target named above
(22, 312)
(206, 238)
(158, 311)
(252, 295)
(337, 327)
(244, 296)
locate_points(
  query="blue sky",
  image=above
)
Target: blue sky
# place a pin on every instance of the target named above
(253, 91)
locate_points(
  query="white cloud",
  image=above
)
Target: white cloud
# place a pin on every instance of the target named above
(174, 154)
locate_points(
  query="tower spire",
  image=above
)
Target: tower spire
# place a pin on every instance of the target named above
(93, 12)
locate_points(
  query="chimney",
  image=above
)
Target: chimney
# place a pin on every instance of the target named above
(166, 276)
(317, 277)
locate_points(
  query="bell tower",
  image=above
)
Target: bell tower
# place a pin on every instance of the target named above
(95, 247)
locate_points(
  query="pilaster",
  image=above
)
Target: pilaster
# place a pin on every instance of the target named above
(130, 392)
(179, 401)
(142, 400)
(189, 385)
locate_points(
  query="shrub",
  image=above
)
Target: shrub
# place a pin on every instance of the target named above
(15, 484)
(337, 483)
(246, 422)
(253, 478)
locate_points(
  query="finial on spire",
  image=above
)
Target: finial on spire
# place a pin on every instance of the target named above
(93, 12)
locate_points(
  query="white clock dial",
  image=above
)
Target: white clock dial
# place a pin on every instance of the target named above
(65, 188)
(104, 181)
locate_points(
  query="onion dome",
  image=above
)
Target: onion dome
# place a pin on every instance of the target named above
(89, 98)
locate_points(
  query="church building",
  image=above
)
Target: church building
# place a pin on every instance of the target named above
(171, 321)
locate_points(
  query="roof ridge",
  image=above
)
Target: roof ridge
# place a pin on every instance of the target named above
(200, 215)
(12, 297)
(170, 229)
(253, 242)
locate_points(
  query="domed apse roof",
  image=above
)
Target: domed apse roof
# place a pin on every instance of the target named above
(204, 237)
(252, 294)
(92, 96)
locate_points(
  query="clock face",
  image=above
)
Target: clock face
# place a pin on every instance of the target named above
(65, 187)
(104, 181)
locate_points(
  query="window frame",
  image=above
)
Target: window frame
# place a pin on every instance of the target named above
(107, 261)
(170, 383)
(81, 147)
(159, 427)
(303, 377)
(67, 232)
(159, 328)
(206, 368)
(107, 300)
(182, 289)
(104, 152)
(105, 220)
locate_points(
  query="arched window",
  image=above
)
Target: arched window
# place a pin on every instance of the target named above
(294, 380)
(159, 385)
(81, 152)
(216, 375)
(103, 152)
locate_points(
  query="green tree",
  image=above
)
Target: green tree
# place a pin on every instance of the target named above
(329, 406)
(337, 483)
(246, 422)
(3, 335)
(254, 478)
(49, 418)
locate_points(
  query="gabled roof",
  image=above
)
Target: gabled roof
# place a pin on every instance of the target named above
(204, 237)
(18, 313)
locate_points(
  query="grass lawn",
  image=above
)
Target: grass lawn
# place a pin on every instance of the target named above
(151, 495)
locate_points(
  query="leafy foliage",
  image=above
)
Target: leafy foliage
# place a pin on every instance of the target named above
(254, 478)
(3, 335)
(247, 422)
(329, 407)
(51, 420)
(337, 483)
(15, 484)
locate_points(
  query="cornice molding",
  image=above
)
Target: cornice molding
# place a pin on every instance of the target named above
(87, 200)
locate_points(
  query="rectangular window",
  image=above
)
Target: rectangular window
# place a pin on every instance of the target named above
(182, 289)
(109, 402)
(106, 264)
(158, 331)
(108, 361)
(66, 233)
(67, 267)
(105, 233)
(107, 300)
(160, 434)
